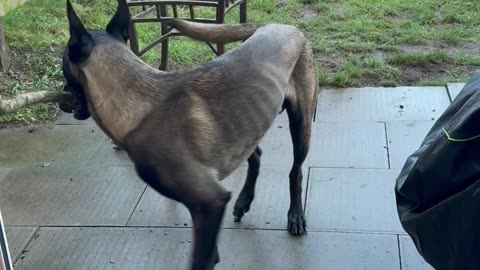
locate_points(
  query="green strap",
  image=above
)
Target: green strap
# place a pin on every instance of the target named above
(459, 140)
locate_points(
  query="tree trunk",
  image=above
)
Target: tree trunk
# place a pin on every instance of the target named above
(4, 58)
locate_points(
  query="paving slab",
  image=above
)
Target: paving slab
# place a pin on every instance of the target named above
(272, 250)
(352, 200)
(268, 210)
(404, 138)
(382, 104)
(411, 259)
(347, 144)
(454, 89)
(121, 248)
(18, 238)
(282, 117)
(106, 155)
(68, 119)
(62, 145)
(155, 209)
(3, 173)
(68, 196)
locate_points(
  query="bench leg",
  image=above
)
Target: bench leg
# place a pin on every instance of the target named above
(243, 12)
(162, 11)
(164, 58)
(220, 49)
(133, 39)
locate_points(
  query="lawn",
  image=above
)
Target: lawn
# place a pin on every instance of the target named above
(356, 42)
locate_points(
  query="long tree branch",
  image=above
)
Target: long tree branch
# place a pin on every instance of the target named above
(27, 99)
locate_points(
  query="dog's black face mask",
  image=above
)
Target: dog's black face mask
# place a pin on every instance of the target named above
(78, 51)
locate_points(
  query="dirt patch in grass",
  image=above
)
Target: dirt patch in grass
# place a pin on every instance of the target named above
(8, 81)
(19, 72)
(308, 12)
(31, 71)
(429, 65)
(281, 3)
(436, 75)
(430, 45)
(414, 74)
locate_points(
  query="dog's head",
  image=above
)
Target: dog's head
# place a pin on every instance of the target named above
(79, 49)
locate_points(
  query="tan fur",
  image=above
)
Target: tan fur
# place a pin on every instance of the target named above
(205, 130)
(217, 33)
(118, 116)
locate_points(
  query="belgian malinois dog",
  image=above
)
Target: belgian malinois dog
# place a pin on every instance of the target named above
(185, 131)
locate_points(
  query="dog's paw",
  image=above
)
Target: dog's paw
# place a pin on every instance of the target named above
(242, 206)
(216, 258)
(214, 261)
(239, 212)
(297, 225)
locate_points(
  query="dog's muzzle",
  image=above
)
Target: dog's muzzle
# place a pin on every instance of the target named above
(66, 107)
(79, 110)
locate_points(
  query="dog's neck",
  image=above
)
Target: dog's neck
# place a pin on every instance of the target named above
(120, 89)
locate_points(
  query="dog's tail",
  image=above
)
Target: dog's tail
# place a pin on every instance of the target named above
(215, 33)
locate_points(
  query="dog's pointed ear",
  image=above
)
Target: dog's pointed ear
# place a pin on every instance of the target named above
(120, 23)
(80, 44)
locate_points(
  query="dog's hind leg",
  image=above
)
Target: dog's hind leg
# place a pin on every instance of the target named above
(242, 205)
(299, 130)
(300, 109)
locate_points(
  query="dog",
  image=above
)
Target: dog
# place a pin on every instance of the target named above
(185, 131)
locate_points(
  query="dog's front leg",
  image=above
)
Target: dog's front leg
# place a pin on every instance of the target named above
(199, 190)
(207, 217)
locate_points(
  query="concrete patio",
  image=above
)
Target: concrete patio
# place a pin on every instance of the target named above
(72, 202)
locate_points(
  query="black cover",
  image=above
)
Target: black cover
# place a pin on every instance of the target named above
(438, 189)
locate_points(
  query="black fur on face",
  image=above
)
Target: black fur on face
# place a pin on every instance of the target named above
(74, 86)
(79, 49)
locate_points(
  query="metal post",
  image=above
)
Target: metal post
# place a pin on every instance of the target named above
(5, 260)
(220, 19)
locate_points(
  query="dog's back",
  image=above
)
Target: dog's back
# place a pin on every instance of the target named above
(279, 44)
(274, 48)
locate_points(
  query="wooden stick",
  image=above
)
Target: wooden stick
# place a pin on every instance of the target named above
(27, 99)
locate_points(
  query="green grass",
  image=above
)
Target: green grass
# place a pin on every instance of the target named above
(356, 42)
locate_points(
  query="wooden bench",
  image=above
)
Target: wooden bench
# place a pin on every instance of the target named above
(161, 11)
